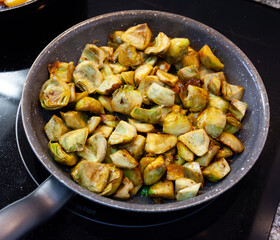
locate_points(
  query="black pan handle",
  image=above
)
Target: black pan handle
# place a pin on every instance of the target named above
(23, 215)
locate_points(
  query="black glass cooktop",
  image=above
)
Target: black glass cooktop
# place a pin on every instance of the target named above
(244, 212)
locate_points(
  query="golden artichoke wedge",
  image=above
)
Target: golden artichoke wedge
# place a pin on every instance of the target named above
(123, 159)
(154, 171)
(94, 54)
(106, 102)
(233, 125)
(231, 141)
(174, 171)
(157, 143)
(161, 95)
(93, 123)
(90, 104)
(205, 160)
(181, 183)
(109, 85)
(184, 152)
(218, 102)
(124, 190)
(231, 91)
(209, 60)
(54, 94)
(216, 170)
(237, 109)
(55, 128)
(178, 48)
(160, 46)
(142, 127)
(134, 175)
(136, 147)
(61, 70)
(167, 78)
(176, 124)
(59, 155)
(141, 72)
(75, 119)
(152, 115)
(188, 192)
(114, 39)
(162, 189)
(193, 171)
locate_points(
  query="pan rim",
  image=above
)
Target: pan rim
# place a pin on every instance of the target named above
(211, 193)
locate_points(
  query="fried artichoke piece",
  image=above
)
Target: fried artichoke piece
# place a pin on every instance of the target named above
(80, 95)
(164, 112)
(109, 85)
(108, 52)
(197, 141)
(205, 160)
(123, 159)
(128, 78)
(151, 60)
(93, 176)
(90, 104)
(59, 155)
(134, 175)
(74, 119)
(158, 143)
(231, 92)
(143, 163)
(136, 147)
(163, 189)
(233, 125)
(125, 99)
(188, 72)
(106, 103)
(167, 78)
(212, 83)
(114, 181)
(192, 170)
(163, 65)
(218, 102)
(154, 171)
(181, 183)
(124, 189)
(147, 115)
(54, 94)
(142, 127)
(55, 128)
(231, 141)
(87, 77)
(213, 120)
(144, 86)
(94, 149)
(61, 70)
(93, 123)
(238, 109)
(72, 92)
(94, 54)
(123, 133)
(110, 120)
(195, 98)
(191, 58)
(161, 95)
(74, 140)
(178, 160)
(110, 150)
(184, 152)
(178, 48)
(114, 39)
(128, 56)
(193, 118)
(224, 152)
(216, 170)
(138, 36)
(188, 192)
(141, 72)
(106, 70)
(118, 68)
(104, 130)
(208, 59)
(176, 124)
(160, 46)
(174, 171)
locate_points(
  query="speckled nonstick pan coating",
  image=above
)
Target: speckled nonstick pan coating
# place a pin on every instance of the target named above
(238, 69)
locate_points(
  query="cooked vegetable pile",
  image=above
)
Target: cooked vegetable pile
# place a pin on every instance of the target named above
(155, 117)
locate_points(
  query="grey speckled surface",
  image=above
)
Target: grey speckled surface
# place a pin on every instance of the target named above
(271, 3)
(275, 229)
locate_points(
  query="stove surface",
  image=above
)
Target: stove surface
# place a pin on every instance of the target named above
(244, 212)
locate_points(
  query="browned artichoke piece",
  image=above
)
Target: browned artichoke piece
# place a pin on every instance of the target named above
(224, 152)
(161, 95)
(74, 119)
(136, 146)
(162, 189)
(87, 77)
(123, 133)
(54, 94)
(159, 46)
(188, 192)
(151, 60)
(104, 130)
(231, 141)
(233, 125)
(93, 123)
(141, 72)
(213, 120)
(142, 127)
(129, 57)
(91, 105)
(195, 98)
(128, 77)
(59, 155)
(218, 102)
(143, 163)
(108, 52)
(134, 175)
(176, 124)
(55, 128)
(72, 92)
(205, 160)
(93, 176)
(138, 36)
(192, 170)
(106, 103)
(61, 70)
(74, 140)
(109, 85)
(163, 65)
(208, 59)
(123, 159)
(197, 141)
(216, 170)
(188, 72)
(95, 148)
(178, 48)
(191, 58)
(114, 181)
(181, 183)
(154, 171)
(106, 70)
(125, 99)
(152, 115)
(94, 54)
(118, 68)
(110, 120)
(167, 78)
(174, 171)
(123, 191)
(80, 95)
(157, 143)
(184, 152)
(238, 109)
(212, 83)
(114, 39)
(231, 92)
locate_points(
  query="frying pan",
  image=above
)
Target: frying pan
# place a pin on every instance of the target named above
(23, 215)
